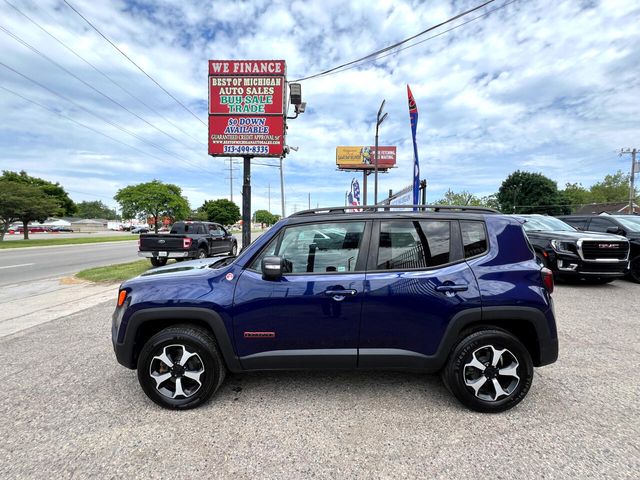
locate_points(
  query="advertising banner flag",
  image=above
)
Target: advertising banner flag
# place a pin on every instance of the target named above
(413, 116)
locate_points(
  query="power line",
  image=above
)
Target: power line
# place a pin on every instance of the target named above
(134, 63)
(135, 97)
(119, 127)
(390, 47)
(395, 52)
(66, 117)
(38, 52)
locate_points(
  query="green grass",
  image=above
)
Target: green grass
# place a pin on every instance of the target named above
(49, 242)
(115, 273)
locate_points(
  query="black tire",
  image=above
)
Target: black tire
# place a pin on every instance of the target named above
(158, 261)
(206, 356)
(634, 270)
(456, 376)
(234, 250)
(180, 259)
(202, 253)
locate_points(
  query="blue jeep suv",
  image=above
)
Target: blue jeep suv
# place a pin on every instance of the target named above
(455, 290)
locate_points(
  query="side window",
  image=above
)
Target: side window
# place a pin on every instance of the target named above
(215, 229)
(600, 224)
(474, 238)
(318, 247)
(579, 223)
(413, 244)
(201, 229)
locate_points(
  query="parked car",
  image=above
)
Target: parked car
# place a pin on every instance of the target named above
(60, 228)
(571, 254)
(625, 225)
(465, 297)
(187, 240)
(141, 229)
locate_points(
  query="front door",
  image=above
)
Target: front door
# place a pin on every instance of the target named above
(310, 316)
(417, 282)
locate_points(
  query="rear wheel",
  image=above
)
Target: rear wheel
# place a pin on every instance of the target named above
(234, 250)
(202, 253)
(489, 371)
(158, 261)
(180, 367)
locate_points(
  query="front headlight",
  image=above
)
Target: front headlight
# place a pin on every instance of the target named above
(564, 247)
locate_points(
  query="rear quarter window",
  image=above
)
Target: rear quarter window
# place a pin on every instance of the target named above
(474, 238)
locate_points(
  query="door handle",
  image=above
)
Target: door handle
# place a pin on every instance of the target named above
(452, 288)
(340, 293)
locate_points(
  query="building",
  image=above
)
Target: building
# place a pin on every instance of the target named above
(610, 208)
(89, 226)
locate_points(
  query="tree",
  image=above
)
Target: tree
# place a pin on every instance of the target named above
(264, 216)
(467, 198)
(95, 209)
(461, 198)
(576, 195)
(53, 190)
(153, 199)
(221, 211)
(614, 188)
(24, 202)
(527, 192)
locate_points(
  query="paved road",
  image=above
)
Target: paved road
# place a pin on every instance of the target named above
(70, 411)
(37, 263)
(49, 236)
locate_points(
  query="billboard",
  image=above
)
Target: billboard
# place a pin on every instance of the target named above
(363, 158)
(247, 107)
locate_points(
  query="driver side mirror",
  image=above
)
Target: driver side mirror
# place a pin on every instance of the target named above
(615, 230)
(272, 267)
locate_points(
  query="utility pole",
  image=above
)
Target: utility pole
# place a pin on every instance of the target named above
(309, 201)
(634, 169)
(231, 170)
(269, 197)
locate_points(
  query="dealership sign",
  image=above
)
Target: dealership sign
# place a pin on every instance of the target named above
(364, 158)
(247, 106)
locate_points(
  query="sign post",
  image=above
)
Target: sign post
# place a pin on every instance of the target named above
(247, 108)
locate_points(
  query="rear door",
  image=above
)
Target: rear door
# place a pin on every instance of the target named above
(311, 315)
(417, 280)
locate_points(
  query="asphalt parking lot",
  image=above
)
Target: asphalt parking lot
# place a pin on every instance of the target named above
(70, 410)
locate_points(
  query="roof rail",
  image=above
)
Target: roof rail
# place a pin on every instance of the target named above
(379, 207)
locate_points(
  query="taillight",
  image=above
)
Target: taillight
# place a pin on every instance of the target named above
(547, 279)
(122, 296)
(186, 243)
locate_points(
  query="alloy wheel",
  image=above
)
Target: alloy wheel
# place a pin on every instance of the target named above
(177, 372)
(492, 373)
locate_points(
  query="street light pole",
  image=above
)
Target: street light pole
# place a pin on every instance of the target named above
(379, 121)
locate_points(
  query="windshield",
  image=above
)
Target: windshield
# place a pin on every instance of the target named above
(631, 223)
(546, 224)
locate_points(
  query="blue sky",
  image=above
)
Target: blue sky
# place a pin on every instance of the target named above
(550, 87)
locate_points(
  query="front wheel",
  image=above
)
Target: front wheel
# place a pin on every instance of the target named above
(234, 250)
(158, 261)
(180, 367)
(634, 270)
(489, 371)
